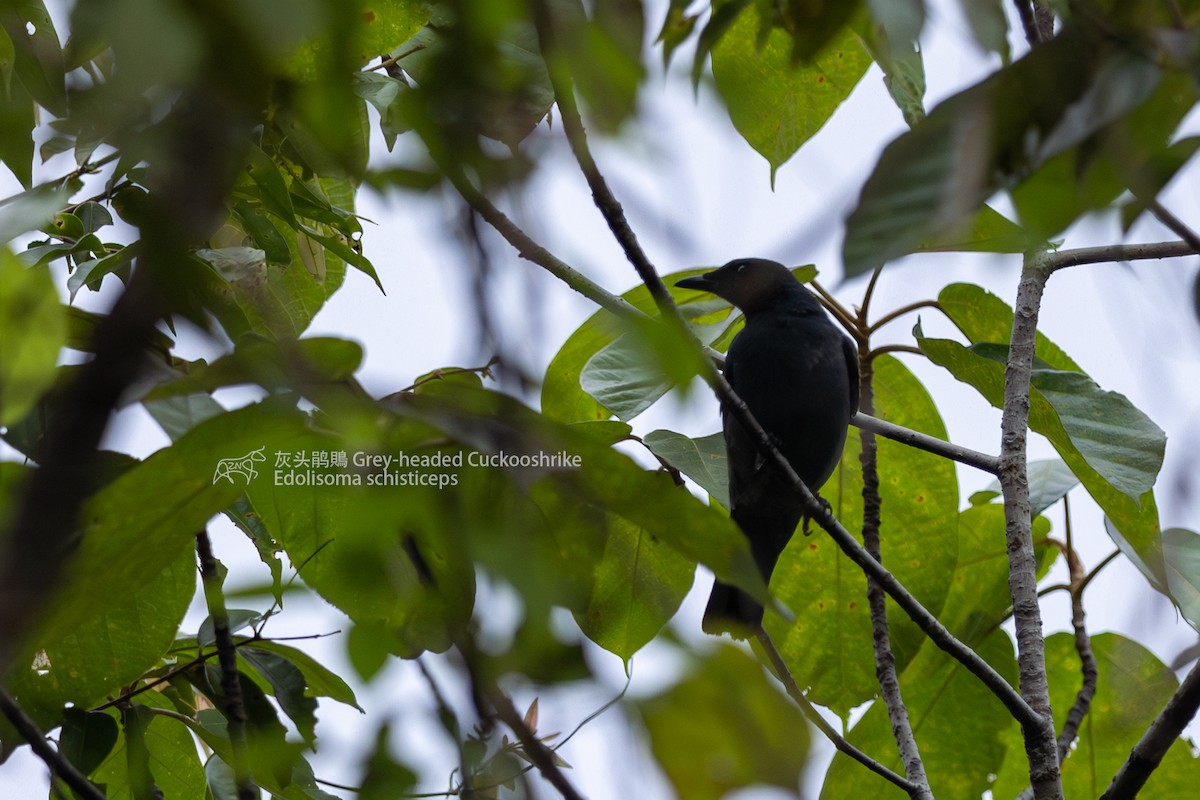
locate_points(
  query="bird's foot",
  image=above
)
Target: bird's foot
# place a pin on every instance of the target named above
(806, 518)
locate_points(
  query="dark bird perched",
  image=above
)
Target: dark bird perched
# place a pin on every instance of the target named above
(798, 374)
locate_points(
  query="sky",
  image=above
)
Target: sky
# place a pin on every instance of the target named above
(697, 195)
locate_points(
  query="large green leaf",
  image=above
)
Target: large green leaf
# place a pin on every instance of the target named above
(829, 646)
(726, 726)
(165, 747)
(703, 460)
(639, 583)
(1171, 563)
(776, 104)
(1113, 448)
(1132, 687)
(563, 398)
(33, 329)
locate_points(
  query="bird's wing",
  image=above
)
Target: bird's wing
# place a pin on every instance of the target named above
(851, 356)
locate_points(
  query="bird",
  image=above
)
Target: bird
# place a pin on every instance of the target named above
(797, 372)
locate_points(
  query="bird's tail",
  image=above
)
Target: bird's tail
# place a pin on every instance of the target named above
(731, 610)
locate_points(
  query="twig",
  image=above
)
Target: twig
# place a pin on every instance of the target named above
(871, 355)
(899, 312)
(1175, 224)
(784, 675)
(1040, 742)
(78, 172)
(1083, 646)
(676, 476)
(1104, 562)
(539, 753)
(865, 309)
(57, 763)
(885, 660)
(1025, 12)
(1158, 738)
(231, 688)
(922, 441)
(392, 60)
(1116, 252)
(437, 375)
(839, 311)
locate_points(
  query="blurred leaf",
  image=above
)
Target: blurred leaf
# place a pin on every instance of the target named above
(988, 25)
(562, 396)
(385, 778)
(703, 460)
(32, 331)
(829, 646)
(891, 35)
(932, 179)
(639, 584)
(38, 57)
(676, 28)
(1118, 157)
(1154, 176)
(986, 232)
(725, 726)
(631, 373)
(16, 132)
(91, 273)
(1171, 563)
(775, 104)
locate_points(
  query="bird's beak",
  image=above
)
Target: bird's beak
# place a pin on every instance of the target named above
(700, 283)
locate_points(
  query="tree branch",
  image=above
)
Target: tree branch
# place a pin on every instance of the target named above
(231, 687)
(1162, 733)
(885, 660)
(55, 761)
(1105, 254)
(1175, 224)
(922, 441)
(1040, 742)
(1083, 643)
(784, 675)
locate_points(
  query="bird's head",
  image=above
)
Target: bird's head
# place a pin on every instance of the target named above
(754, 284)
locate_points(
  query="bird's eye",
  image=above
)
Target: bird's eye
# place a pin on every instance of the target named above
(741, 267)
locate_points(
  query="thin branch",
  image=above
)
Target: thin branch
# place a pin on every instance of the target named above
(57, 763)
(392, 60)
(899, 312)
(1162, 733)
(539, 753)
(930, 444)
(1083, 646)
(865, 309)
(78, 172)
(1040, 741)
(1025, 12)
(836, 309)
(885, 660)
(1106, 254)
(231, 688)
(484, 372)
(871, 355)
(1175, 224)
(783, 674)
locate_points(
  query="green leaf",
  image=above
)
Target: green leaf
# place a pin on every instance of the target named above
(87, 738)
(987, 232)
(321, 681)
(726, 726)
(164, 751)
(16, 132)
(988, 25)
(703, 460)
(1171, 563)
(385, 777)
(775, 104)
(562, 396)
(631, 373)
(1092, 429)
(289, 686)
(34, 209)
(239, 618)
(1132, 688)
(90, 273)
(639, 584)
(939, 694)
(32, 331)
(38, 57)
(829, 646)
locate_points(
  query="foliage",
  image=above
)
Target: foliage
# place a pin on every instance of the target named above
(405, 512)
